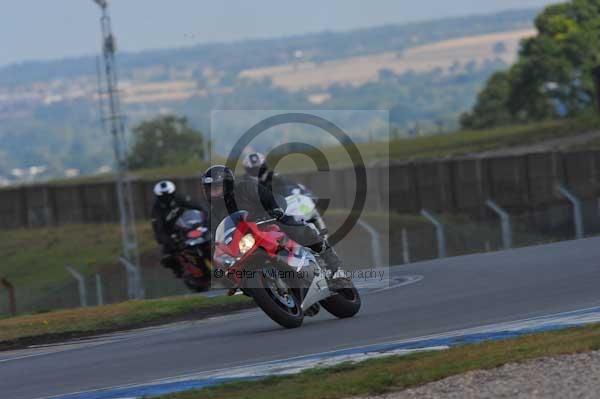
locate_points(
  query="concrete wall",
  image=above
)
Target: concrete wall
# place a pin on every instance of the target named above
(521, 184)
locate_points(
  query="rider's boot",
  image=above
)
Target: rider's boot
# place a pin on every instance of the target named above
(336, 280)
(170, 262)
(333, 263)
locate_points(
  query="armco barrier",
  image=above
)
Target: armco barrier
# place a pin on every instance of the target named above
(521, 184)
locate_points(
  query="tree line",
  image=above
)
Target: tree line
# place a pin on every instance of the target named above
(555, 75)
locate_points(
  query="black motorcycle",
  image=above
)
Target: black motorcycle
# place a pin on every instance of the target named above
(193, 236)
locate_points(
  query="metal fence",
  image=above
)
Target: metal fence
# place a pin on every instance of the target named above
(469, 205)
(378, 245)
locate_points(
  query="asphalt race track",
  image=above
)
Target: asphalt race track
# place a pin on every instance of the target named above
(454, 293)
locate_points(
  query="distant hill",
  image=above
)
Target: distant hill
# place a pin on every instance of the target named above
(48, 109)
(259, 53)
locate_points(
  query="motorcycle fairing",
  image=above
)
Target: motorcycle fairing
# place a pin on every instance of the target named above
(318, 290)
(280, 247)
(296, 256)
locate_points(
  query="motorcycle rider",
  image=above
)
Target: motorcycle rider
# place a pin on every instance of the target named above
(256, 167)
(168, 206)
(226, 196)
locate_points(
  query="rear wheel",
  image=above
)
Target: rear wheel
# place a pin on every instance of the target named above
(276, 298)
(346, 303)
(198, 277)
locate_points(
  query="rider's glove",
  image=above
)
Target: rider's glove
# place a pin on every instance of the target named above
(278, 213)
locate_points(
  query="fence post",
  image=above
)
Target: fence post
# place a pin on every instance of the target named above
(405, 247)
(12, 302)
(488, 246)
(80, 285)
(577, 212)
(504, 221)
(375, 243)
(439, 231)
(99, 294)
(134, 283)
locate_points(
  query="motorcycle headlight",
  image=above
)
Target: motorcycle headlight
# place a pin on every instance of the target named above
(246, 243)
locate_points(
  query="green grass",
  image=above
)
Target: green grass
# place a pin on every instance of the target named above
(41, 254)
(428, 147)
(390, 374)
(467, 142)
(593, 144)
(459, 143)
(188, 169)
(34, 260)
(111, 317)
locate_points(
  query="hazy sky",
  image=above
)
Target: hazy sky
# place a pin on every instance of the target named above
(42, 29)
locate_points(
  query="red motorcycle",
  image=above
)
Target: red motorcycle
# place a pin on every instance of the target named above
(285, 279)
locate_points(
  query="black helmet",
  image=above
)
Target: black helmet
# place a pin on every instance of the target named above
(165, 191)
(216, 180)
(255, 164)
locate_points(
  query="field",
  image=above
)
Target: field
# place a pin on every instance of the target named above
(353, 71)
(357, 71)
(34, 260)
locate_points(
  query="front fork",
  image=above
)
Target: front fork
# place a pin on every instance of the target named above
(320, 224)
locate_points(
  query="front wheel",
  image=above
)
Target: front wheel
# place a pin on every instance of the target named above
(346, 303)
(276, 299)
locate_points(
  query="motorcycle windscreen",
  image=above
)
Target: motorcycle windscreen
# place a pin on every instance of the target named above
(225, 230)
(190, 219)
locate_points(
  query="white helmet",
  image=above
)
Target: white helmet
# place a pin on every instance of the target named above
(255, 164)
(164, 189)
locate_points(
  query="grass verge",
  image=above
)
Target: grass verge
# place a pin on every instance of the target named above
(475, 141)
(458, 143)
(395, 373)
(56, 326)
(465, 142)
(34, 260)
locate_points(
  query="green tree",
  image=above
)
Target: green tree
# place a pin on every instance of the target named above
(491, 108)
(553, 74)
(164, 141)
